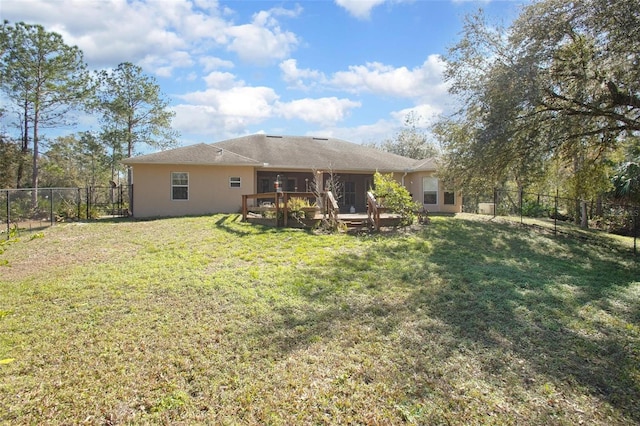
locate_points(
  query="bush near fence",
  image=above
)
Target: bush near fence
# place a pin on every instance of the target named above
(28, 208)
(613, 217)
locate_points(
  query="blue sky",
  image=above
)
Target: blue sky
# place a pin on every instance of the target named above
(351, 69)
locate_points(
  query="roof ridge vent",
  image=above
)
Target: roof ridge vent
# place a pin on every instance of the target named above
(274, 136)
(320, 139)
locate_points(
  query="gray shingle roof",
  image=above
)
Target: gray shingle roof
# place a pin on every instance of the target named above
(290, 152)
(200, 154)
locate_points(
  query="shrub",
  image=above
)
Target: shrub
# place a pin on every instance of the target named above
(298, 207)
(396, 197)
(534, 209)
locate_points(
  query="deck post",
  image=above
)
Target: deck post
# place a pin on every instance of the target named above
(244, 208)
(284, 209)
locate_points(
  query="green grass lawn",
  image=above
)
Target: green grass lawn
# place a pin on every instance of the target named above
(208, 320)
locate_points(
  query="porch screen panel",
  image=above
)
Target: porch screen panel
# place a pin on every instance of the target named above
(265, 185)
(430, 190)
(349, 193)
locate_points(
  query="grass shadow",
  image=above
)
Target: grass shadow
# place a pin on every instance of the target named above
(511, 294)
(536, 295)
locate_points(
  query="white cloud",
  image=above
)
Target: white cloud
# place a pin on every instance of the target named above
(254, 103)
(221, 80)
(295, 77)
(232, 106)
(143, 32)
(164, 65)
(262, 41)
(366, 133)
(205, 120)
(226, 107)
(384, 128)
(360, 9)
(322, 111)
(423, 82)
(211, 63)
(426, 115)
(374, 77)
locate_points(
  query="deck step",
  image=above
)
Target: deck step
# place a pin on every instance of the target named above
(355, 223)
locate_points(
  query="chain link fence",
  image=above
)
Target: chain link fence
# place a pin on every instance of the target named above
(27, 209)
(613, 217)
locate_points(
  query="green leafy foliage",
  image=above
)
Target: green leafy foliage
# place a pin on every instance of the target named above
(134, 110)
(43, 78)
(396, 197)
(553, 97)
(411, 141)
(300, 208)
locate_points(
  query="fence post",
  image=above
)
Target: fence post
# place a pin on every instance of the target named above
(635, 230)
(521, 220)
(8, 214)
(555, 214)
(88, 193)
(79, 202)
(121, 200)
(495, 202)
(51, 206)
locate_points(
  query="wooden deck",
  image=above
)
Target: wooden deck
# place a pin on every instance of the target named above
(272, 209)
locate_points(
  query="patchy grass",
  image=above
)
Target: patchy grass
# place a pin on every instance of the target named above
(210, 320)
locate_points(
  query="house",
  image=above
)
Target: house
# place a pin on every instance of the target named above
(211, 178)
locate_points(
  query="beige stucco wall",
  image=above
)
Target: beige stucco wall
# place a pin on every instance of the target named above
(209, 190)
(413, 182)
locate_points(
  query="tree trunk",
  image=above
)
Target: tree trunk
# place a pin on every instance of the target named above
(584, 222)
(24, 149)
(34, 179)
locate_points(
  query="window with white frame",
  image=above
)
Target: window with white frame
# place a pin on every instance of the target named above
(430, 190)
(234, 182)
(179, 185)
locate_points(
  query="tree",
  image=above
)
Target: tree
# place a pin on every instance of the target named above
(44, 79)
(561, 84)
(626, 179)
(76, 161)
(133, 110)
(9, 155)
(409, 142)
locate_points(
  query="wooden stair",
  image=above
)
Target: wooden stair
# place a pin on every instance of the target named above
(355, 224)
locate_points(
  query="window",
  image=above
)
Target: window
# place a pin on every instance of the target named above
(430, 190)
(234, 182)
(291, 185)
(449, 197)
(179, 186)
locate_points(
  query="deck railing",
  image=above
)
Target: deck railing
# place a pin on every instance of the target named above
(373, 211)
(278, 204)
(275, 202)
(331, 207)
